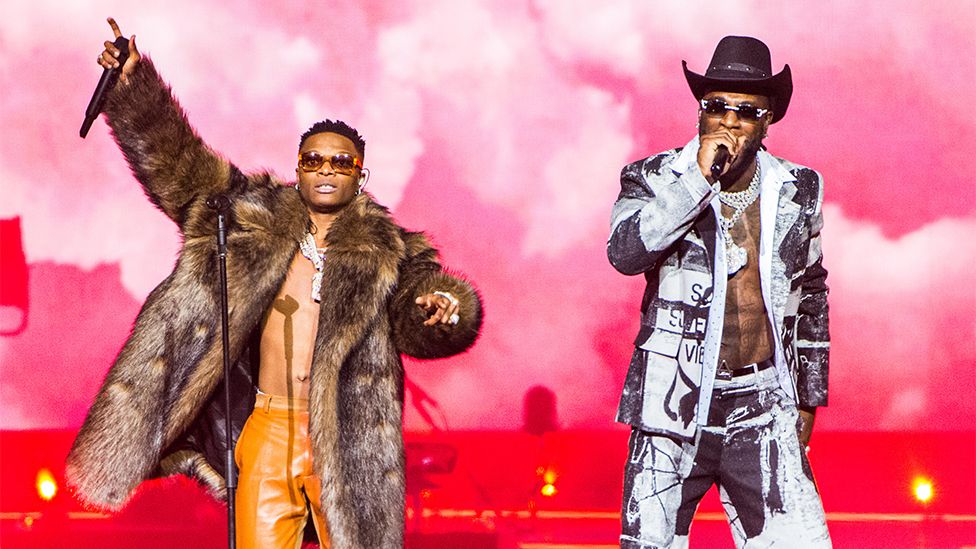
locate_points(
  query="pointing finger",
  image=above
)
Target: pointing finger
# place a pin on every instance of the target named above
(115, 27)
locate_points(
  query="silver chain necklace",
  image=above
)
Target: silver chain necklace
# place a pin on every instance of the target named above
(317, 257)
(736, 256)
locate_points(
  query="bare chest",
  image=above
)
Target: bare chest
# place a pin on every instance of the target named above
(746, 335)
(746, 234)
(288, 332)
(298, 285)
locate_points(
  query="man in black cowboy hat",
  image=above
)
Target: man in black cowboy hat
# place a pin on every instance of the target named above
(724, 394)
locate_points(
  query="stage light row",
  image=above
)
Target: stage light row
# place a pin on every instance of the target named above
(922, 487)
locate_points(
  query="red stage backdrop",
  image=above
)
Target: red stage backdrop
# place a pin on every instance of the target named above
(500, 128)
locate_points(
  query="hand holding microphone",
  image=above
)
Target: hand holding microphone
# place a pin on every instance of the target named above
(119, 59)
(716, 153)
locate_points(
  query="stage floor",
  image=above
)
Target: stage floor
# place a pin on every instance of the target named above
(492, 496)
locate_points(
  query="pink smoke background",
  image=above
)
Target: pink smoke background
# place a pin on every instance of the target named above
(500, 128)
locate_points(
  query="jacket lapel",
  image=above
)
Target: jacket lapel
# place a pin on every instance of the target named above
(779, 214)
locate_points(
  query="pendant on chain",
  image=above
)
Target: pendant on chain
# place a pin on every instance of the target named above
(735, 257)
(307, 245)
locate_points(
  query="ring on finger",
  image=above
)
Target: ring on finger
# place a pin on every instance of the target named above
(450, 297)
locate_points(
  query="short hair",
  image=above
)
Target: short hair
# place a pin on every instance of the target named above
(339, 127)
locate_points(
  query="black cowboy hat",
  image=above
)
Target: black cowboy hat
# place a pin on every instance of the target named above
(741, 64)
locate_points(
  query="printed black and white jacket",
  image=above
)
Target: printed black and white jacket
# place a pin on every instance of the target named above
(664, 226)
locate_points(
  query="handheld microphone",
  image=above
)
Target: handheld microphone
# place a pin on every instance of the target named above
(105, 83)
(721, 158)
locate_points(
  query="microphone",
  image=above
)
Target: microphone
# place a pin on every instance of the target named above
(218, 202)
(721, 158)
(105, 83)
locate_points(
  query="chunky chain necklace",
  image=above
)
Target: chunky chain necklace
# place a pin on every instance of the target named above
(736, 256)
(317, 257)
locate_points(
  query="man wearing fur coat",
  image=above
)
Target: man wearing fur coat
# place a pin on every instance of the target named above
(325, 293)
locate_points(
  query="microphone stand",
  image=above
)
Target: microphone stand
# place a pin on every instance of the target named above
(221, 204)
(419, 398)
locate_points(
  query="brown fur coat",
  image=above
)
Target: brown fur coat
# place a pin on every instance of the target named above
(171, 364)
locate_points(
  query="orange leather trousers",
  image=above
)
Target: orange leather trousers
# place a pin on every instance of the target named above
(277, 486)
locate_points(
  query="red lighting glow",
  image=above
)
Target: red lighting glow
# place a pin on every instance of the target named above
(47, 487)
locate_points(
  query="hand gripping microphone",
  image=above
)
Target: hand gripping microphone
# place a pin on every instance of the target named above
(721, 158)
(105, 83)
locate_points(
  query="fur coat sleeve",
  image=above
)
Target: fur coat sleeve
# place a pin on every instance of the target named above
(422, 274)
(173, 164)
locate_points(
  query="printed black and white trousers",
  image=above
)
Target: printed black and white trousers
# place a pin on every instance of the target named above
(751, 450)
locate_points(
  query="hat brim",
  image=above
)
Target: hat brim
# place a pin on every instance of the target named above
(778, 88)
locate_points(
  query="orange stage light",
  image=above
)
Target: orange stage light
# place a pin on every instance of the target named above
(923, 490)
(549, 476)
(47, 487)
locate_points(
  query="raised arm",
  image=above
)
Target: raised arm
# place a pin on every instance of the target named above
(174, 166)
(654, 209)
(426, 298)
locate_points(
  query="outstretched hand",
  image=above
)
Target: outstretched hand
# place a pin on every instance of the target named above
(109, 57)
(441, 309)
